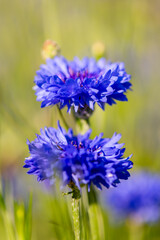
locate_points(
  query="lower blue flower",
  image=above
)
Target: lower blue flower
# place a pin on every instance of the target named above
(57, 153)
(137, 200)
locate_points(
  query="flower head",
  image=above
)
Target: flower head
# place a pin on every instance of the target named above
(77, 159)
(81, 83)
(138, 199)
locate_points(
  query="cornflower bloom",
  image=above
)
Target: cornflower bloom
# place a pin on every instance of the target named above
(137, 200)
(77, 159)
(81, 83)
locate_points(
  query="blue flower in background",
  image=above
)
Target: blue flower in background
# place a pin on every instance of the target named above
(138, 199)
(78, 159)
(81, 83)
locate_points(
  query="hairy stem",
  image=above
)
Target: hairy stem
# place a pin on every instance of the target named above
(76, 195)
(76, 219)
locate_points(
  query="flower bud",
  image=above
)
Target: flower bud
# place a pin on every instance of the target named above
(50, 49)
(98, 49)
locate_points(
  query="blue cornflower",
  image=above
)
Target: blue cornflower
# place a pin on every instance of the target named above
(81, 83)
(78, 159)
(137, 200)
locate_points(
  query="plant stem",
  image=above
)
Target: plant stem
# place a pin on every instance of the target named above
(76, 195)
(62, 117)
(95, 216)
(94, 211)
(76, 220)
(135, 231)
(82, 125)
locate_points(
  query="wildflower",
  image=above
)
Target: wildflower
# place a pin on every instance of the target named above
(77, 159)
(81, 83)
(137, 200)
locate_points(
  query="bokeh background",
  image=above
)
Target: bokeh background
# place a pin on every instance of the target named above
(130, 31)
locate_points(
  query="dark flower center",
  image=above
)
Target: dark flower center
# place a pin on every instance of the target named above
(82, 75)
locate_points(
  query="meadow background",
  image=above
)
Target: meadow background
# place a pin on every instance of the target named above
(130, 31)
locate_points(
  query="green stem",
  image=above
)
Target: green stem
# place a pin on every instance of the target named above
(135, 231)
(94, 211)
(76, 195)
(62, 117)
(95, 216)
(82, 126)
(76, 219)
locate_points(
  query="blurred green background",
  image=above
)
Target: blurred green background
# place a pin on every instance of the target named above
(130, 31)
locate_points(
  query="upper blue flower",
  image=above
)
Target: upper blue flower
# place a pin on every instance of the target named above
(138, 199)
(77, 159)
(81, 83)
